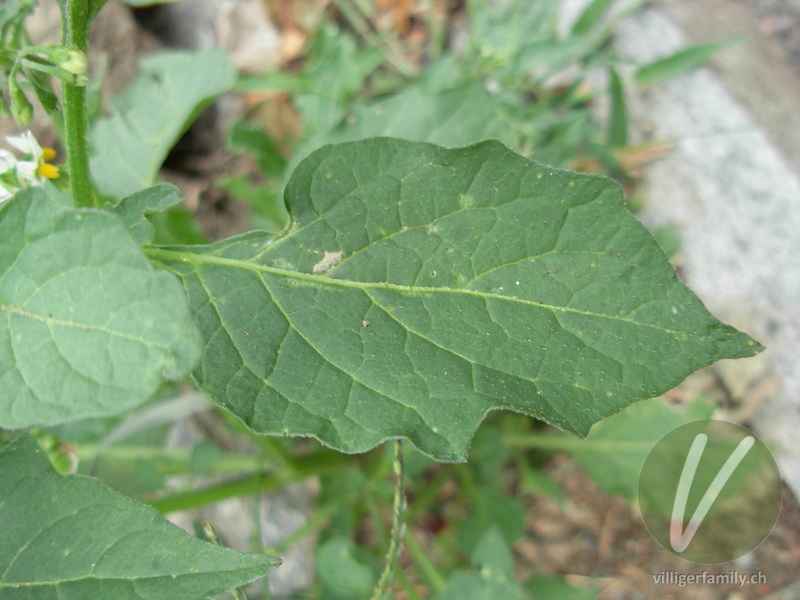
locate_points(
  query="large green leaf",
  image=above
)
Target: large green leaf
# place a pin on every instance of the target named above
(418, 288)
(146, 121)
(73, 538)
(88, 327)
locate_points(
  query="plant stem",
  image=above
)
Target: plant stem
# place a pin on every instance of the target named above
(314, 464)
(408, 586)
(315, 522)
(398, 524)
(564, 443)
(76, 23)
(429, 572)
(170, 462)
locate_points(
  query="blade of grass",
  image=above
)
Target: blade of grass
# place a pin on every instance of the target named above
(680, 62)
(618, 119)
(591, 15)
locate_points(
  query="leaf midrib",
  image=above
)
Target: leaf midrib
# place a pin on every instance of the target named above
(165, 256)
(91, 576)
(11, 309)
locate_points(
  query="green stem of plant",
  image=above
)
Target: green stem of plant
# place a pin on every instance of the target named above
(76, 24)
(306, 466)
(315, 522)
(408, 587)
(429, 572)
(398, 524)
(169, 462)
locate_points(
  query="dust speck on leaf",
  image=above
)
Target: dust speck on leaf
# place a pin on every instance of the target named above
(327, 262)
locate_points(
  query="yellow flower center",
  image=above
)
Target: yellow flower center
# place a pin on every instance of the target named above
(45, 170)
(48, 171)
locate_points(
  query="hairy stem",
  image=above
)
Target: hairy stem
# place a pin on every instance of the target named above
(398, 524)
(76, 23)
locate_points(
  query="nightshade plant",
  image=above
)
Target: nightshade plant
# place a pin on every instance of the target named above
(416, 289)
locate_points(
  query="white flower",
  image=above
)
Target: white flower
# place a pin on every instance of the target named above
(7, 160)
(33, 169)
(4, 194)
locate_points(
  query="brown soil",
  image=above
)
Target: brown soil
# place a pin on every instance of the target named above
(599, 539)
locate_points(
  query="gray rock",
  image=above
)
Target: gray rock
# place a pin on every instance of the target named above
(736, 200)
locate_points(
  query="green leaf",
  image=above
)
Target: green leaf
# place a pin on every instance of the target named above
(141, 3)
(89, 328)
(12, 14)
(682, 61)
(519, 38)
(419, 287)
(493, 576)
(265, 150)
(338, 70)
(615, 449)
(534, 480)
(95, 6)
(505, 30)
(341, 573)
(591, 16)
(146, 121)
(491, 510)
(71, 537)
(452, 117)
(618, 117)
(542, 585)
(135, 209)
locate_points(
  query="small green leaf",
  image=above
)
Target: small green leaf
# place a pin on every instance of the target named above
(542, 585)
(88, 327)
(72, 537)
(618, 119)
(493, 577)
(682, 61)
(146, 121)
(95, 6)
(21, 107)
(492, 552)
(245, 138)
(135, 209)
(12, 15)
(534, 480)
(342, 575)
(591, 15)
(419, 287)
(142, 3)
(491, 510)
(42, 87)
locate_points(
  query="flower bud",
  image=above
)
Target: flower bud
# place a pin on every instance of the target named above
(21, 107)
(75, 62)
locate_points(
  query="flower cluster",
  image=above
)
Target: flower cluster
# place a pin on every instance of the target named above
(32, 169)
